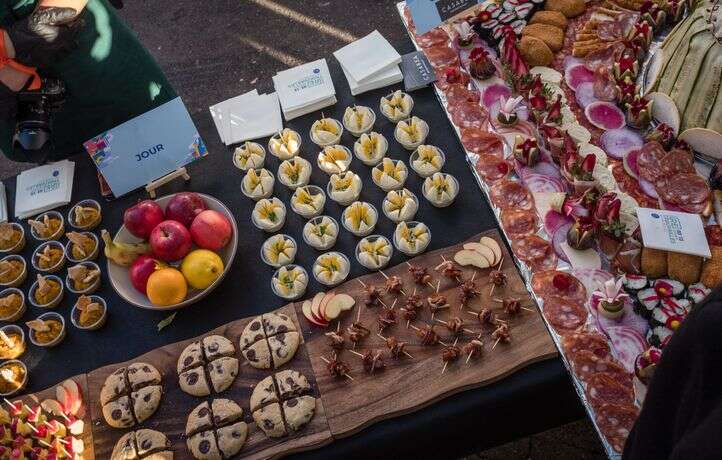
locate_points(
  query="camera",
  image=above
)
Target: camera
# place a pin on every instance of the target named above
(33, 129)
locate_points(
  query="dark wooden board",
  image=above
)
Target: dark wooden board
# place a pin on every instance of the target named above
(171, 416)
(408, 384)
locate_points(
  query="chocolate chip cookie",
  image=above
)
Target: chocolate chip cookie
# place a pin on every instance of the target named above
(207, 365)
(283, 347)
(145, 444)
(270, 340)
(216, 430)
(131, 395)
(282, 403)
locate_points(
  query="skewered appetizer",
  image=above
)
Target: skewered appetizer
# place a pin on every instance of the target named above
(278, 250)
(400, 205)
(295, 172)
(412, 238)
(290, 282)
(285, 144)
(258, 184)
(320, 232)
(358, 119)
(370, 148)
(269, 214)
(12, 237)
(360, 218)
(326, 131)
(334, 159)
(390, 174)
(396, 106)
(331, 268)
(427, 160)
(344, 188)
(441, 189)
(250, 155)
(374, 252)
(411, 133)
(308, 201)
(85, 215)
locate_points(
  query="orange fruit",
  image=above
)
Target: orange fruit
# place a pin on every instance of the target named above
(166, 286)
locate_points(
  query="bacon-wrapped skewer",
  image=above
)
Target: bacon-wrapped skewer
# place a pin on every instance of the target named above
(387, 318)
(420, 275)
(468, 291)
(396, 348)
(449, 270)
(455, 325)
(357, 332)
(393, 285)
(428, 335)
(373, 360)
(413, 305)
(497, 278)
(337, 368)
(335, 340)
(437, 302)
(474, 348)
(485, 316)
(450, 354)
(512, 305)
(501, 334)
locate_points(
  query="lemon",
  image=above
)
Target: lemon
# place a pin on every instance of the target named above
(201, 268)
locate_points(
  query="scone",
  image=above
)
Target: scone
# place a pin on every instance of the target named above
(146, 401)
(269, 419)
(282, 403)
(231, 438)
(264, 393)
(118, 413)
(149, 442)
(200, 419)
(191, 356)
(223, 372)
(290, 384)
(208, 364)
(252, 333)
(203, 446)
(146, 444)
(194, 382)
(299, 411)
(258, 355)
(131, 395)
(277, 323)
(215, 346)
(216, 430)
(283, 347)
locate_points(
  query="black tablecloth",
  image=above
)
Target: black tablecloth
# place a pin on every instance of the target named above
(535, 398)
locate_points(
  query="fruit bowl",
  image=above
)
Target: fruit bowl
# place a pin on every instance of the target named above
(120, 276)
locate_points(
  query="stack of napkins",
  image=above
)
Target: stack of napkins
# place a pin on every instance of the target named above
(248, 116)
(305, 89)
(43, 188)
(369, 63)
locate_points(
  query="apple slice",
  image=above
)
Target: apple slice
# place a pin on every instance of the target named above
(315, 303)
(306, 308)
(483, 250)
(77, 445)
(75, 396)
(77, 427)
(467, 257)
(494, 246)
(322, 308)
(52, 406)
(339, 303)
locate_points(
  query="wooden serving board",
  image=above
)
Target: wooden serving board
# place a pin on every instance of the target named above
(171, 416)
(408, 384)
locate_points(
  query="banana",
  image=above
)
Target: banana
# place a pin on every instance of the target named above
(123, 253)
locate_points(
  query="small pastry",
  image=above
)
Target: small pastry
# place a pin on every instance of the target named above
(320, 232)
(370, 148)
(400, 205)
(49, 226)
(360, 218)
(289, 282)
(326, 131)
(83, 278)
(85, 215)
(412, 238)
(279, 250)
(49, 257)
(13, 377)
(12, 237)
(344, 188)
(390, 174)
(334, 159)
(285, 144)
(13, 271)
(331, 268)
(257, 184)
(46, 291)
(374, 252)
(397, 106)
(250, 155)
(411, 133)
(89, 312)
(47, 330)
(12, 304)
(294, 173)
(358, 119)
(308, 201)
(82, 246)
(12, 345)
(427, 160)
(441, 189)
(269, 214)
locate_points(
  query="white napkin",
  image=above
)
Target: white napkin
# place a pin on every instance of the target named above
(366, 57)
(253, 118)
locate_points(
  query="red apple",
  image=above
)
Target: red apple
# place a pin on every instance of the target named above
(141, 270)
(141, 218)
(170, 240)
(184, 207)
(211, 230)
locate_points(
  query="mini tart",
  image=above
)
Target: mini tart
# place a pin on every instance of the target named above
(278, 250)
(360, 218)
(441, 189)
(285, 144)
(13, 271)
(12, 237)
(12, 304)
(411, 133)
(400, 205)
(396, 106)
(15, 346)
(49, 257)
(289, 282)
(427, 160)
(370, 148)
(374, 252)
(89, 313)
(257, 184)
(83, 278)
(326, 131)
(308, 201)
(344, 188)
(320, 232)
(390, 174)
(294, 173)
(46, 291)
(48, 226)
(331, 268)
(250, 155)
(358, 119)
(269, 214)
(13, 377)
(334, 159)
(412, 238)
(86, 215)
(48, 330)
(81, 247)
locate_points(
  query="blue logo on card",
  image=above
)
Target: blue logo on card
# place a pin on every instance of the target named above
(655, 215)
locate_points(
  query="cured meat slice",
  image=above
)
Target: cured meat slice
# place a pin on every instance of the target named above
(586, 364)
(510, 194)
(441, 55)
(615, 421)
(563, 315)
(683, 189)
(537, 252)
(434, 37)
(590, 341)
(557, 283)
(482, 142)
(460, 93)
(604, 88)
(603, 389)
(649, 161)
(604, 58)
(468, 115)
(676, 161)
(446, 76)
(518, 223)
(492, 168)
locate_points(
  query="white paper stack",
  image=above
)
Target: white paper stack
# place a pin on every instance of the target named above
(369, 63)
(43, 188)
(305, 89)
(248, 116)
(3, 204)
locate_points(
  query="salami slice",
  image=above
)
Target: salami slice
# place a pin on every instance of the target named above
(675, 162)
(460, 93)
(649, 161)
(468, 115)
(441, 55)
(434, 37)
(482, 142)
(605, 89)
(557, 283)
(518, 223)
(454, 75)
(615, 421)
(590, 341)
(534, 250)
(510, 194)
(602, 389)
(492, 168)
(564, 316)
(604, 58)
(683, 189)
(694, 208)
(586, 364)
(714, 235)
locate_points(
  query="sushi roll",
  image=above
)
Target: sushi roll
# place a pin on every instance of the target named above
(678, 306)
(634, 283)
(667, 318)
(697, 292)
(648, 300)
(667, 287)
(659, 336)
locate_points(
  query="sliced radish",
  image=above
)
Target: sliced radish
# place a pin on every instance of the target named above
(558, 240)
(585, 94)
(630, 163)
(648, 188)
(592, 279)
(619, 142)
(494, 93)
(538, 183)
(544, 168)
(554, 220)
(577, 74)
(571, 61)
(604, 115)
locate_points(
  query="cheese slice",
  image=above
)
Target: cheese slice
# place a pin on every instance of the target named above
(543, 202)
(588, 258)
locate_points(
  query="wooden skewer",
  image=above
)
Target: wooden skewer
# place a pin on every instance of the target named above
(496, 343)
(358, 313)
(393, 304)
(32, 427)
(384, 338)
(10, 404)
(446, 363)
(345, 375)
(465, 329)
(356, 353)
(386, 276)
(362, 283)
(491, 291)
(473, 275)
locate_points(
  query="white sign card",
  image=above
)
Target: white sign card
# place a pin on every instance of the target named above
(673, 231)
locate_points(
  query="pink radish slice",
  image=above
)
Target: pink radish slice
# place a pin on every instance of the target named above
(494, 93)
(553, 221)
(494, 112)
(648, 188)
(559, 237)
(630, 163)
(585, 94)
(538, 183)
(619, 142)
(627, 343)
(543, 167)
(576, 75)
(604, 115)
(571, 61)
(593, 279)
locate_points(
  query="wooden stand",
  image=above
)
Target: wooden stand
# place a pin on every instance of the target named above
(153, 186)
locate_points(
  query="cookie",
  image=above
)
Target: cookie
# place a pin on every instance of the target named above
(270, 421)
(263, 393)
(252, 333)
(114, 386)
(225, 411)
(283, 347)
(191, 356)
(118, 413)
(258, 355)
(290, 384)
(222, 372)
(194, 382)
(299, 411)
(146, 401)
(208, 364)
(165, 455)
(231, 438)
(125, 448)
(215, 346)
(203, 446)
(216, 430)
(150, 441)
(200, 419)
(142, 374)
(277, 323)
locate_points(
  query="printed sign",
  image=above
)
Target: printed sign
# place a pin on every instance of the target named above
(417, 71)
(673, 231)
(147, 147)
(428, 14)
